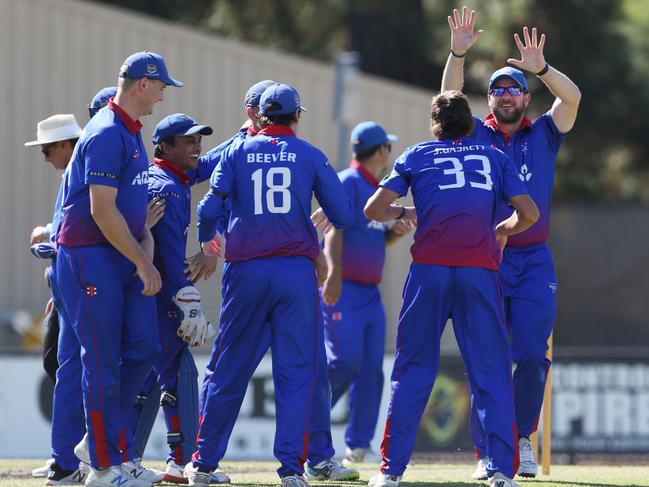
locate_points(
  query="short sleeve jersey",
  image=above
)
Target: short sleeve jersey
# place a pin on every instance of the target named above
(364, 240)
(269, 181)
(110, 152)
(457, 187)
(533, 149)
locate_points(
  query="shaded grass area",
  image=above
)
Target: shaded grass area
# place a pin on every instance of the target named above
(14, 473)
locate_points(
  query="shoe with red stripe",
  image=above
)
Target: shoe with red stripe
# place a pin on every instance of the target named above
(174, 473)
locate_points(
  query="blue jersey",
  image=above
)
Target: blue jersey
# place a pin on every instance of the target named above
(56, 218)
(170, 233)
(364, 240)
(533, 148)
(457, 186)
(110, 152)
(270, 180)
(214, 155)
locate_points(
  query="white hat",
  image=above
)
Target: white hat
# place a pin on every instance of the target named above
(55, 129)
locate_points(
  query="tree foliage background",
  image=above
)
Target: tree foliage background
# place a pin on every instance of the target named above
(601, 44)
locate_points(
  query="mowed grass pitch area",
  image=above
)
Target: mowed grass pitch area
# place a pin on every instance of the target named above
(14, 473)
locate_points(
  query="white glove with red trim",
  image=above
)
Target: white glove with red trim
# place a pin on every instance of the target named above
(194, 328)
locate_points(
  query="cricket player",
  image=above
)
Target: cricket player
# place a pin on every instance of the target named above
(354, 317)
(268, 279)
(321, 450)
(105, 268)
(527, 272)
(181, 322)
(57, 136)
(457, 186)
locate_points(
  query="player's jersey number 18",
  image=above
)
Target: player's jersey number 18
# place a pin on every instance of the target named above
(276, 182)
(457, 170)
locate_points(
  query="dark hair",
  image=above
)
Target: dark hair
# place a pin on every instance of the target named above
(159, 151)
(450, 115)
(73, 142)
(287, 119)
(363, 156)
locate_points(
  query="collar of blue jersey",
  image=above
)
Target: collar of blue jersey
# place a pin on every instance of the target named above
(490, 121)
(277, 130)
(133, 126)
(368, 176)
(168, 166)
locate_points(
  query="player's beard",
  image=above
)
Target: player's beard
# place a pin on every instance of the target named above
(507, 117)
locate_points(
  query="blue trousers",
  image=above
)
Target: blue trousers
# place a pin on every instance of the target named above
(529, 286)
(68, 425)
(116, 327)
(471, 297)
(281, 293)
(355, 339)
(320, 441)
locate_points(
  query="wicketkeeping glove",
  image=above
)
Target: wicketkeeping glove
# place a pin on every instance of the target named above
(194, 328)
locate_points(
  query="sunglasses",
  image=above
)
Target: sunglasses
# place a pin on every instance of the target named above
(511, 90)
(388, 147)
(46, 150)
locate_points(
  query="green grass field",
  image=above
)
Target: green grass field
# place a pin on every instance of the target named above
(14, 473)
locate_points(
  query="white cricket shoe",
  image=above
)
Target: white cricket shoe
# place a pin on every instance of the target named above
(330, 470)
(216, 476)
(135, 469)
(354, 456)
(115, 476)
(295, 481)
(58, 476)
(174, 473)
(528, 466)
(43, 471)
(383, 480)
(499, 480)
(480, 472)
(81, 450)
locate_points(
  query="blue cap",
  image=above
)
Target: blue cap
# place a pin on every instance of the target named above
(178, 124)
(100, 100)
(508, 72)
(147, 64)
(367, 135)
(280, 99)
(253, 95)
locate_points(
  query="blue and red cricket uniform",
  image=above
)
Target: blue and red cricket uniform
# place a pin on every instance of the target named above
(268, 281)
(457, 187)
(355, 325)
(320, 441)
(172, 185)
(527, 271)
(68, 424)
(114, 323)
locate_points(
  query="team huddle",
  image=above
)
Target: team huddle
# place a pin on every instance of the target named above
(125, 312)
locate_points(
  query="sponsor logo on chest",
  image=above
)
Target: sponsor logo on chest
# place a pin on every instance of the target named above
(141, 178)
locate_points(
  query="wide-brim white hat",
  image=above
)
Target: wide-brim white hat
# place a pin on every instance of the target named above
(56, 128)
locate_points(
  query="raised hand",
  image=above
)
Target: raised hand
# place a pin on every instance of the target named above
(532, 58)
(462, 34)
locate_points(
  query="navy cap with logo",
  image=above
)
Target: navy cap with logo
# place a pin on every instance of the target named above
(176, 125)
(147, 64)
(367, 135)
(253, 95)
(280, 99)
(508, 72)
(100, 100)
